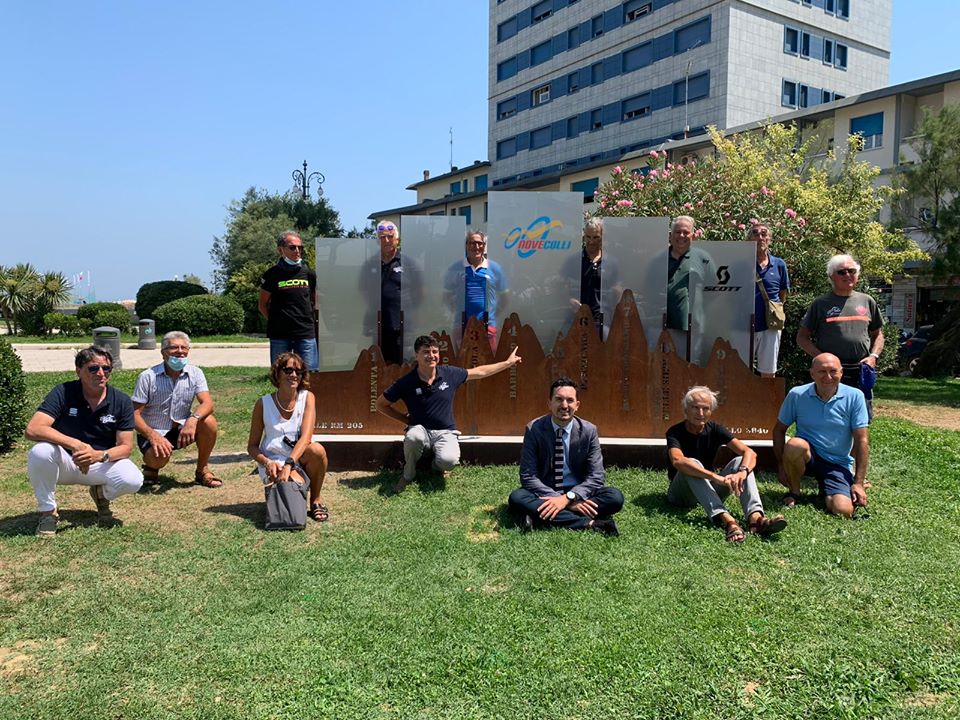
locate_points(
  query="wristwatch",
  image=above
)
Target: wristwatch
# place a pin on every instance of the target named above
(571, 496)
(105, 457)
(196, 416)
(290, 461)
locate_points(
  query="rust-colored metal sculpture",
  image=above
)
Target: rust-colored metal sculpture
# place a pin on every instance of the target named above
(625, 389)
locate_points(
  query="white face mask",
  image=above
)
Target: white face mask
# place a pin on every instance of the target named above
(288, 261)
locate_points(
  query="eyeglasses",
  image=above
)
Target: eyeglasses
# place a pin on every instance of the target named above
(763, 232)
(475, 243)
(290, 371)
(386, 228)
(94, 369)
(298, 248)
(847, 271)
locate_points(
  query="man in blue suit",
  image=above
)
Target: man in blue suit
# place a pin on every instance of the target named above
(561, 470)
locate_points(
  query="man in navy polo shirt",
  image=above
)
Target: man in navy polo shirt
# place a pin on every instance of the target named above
(83, 432)
(428, 391)
(831, 420)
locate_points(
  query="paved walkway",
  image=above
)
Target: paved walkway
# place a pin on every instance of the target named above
(49, 357)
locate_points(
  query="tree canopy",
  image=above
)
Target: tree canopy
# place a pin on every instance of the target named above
(931, 198)
(254, 222)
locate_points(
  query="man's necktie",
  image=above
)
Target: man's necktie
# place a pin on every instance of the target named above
(558, 461)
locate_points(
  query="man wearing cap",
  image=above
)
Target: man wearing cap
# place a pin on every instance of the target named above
(83, 432)
(164, 415)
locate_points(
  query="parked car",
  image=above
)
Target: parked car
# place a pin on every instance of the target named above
(909, 351)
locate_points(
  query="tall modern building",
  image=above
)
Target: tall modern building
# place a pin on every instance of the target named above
(577, 82)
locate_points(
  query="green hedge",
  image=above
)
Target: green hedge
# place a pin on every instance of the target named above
(91, 310)
(200, 315)
(68, 325)
(153, 295)
(13, 397)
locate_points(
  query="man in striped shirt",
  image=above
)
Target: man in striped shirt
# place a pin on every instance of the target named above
(162, 410)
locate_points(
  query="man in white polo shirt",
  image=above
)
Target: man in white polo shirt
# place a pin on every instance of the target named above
(162, 410)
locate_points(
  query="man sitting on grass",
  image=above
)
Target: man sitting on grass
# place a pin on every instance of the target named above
(83, 432)
(561, 470)
(162, 402)
(692, 447)
(428, 391)
(831, 420)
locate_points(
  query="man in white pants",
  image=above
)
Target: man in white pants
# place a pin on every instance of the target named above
(84, 435)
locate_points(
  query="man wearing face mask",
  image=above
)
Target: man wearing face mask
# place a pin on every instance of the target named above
(288, 292)
(163, 415)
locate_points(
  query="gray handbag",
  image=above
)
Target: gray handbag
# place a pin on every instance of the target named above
(286, 507)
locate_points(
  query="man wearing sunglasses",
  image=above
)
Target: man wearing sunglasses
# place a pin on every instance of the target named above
(847, 324)
(480, 282)
(391, 270)
(83, 432)
(288, 293)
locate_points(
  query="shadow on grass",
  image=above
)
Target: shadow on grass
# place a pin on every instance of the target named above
(26, 523)
(501, 517)
(252, 512)
(163, 485)
(384, 482)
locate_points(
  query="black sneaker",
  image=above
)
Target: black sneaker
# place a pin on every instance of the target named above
(605, 526)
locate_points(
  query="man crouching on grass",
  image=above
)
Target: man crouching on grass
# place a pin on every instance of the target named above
(428, 391)
(83, 432)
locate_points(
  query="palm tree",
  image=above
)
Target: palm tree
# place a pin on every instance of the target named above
(18, 292)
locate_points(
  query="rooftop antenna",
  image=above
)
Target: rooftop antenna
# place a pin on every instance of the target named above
(451, 149)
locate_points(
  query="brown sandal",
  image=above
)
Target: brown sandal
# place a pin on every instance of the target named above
(151, 476)
(206, 478)
(767, 526)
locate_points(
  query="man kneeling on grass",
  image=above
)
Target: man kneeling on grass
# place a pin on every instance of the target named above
(561, 470)
(831, 420)
(162, 402)
(428, 391)
(84, 436)
(692, 450)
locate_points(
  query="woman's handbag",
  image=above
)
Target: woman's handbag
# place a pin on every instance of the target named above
(286, 506)
(776, 317)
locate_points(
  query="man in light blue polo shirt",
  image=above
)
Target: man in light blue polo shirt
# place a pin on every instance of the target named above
(831, 420)
(480, 282)
(164, 416)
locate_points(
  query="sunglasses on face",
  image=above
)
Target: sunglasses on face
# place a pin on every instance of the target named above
(386, 228)
(763, 233)
(847, 271)
(291, 370)
(475, 243)
(299, 248)
(94, 369)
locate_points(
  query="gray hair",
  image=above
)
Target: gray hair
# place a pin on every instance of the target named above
(678, 218)
(834, 262)
(89, 353)
(174, 335)
(593, 223)
(282, 237)
(700, 391)
(473, 231)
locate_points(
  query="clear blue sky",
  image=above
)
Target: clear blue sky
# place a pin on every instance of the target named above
(128, 126)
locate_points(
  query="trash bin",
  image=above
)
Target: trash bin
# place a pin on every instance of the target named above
(147, 335)
(108, 338)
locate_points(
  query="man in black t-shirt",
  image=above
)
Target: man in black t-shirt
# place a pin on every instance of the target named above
(83, 432)
(428, 391)
(692, 450)
(287, 300)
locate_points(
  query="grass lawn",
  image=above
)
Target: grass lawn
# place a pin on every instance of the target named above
(129, 339)
(432, 604)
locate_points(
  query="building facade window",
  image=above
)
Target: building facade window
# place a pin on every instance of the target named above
(840, 56)
(573, 127)
(573, 83)
(542, 10)
(788, 97)
(637, 106)
(455, 188)
(506, 109)
(870, 129)
(540, 95)
(636, 9)
(827, 51)
(541, 53)
(465, 212)
(506, 148)
(507, 69)
(480, 183)
(596, 73)
(540, 138)
(507, 29)
(596, 26)
(805, 44)
(791, 40)
(587, 187)
(696, 87)
(596, 119)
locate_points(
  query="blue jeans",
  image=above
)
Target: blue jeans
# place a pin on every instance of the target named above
(304, 347)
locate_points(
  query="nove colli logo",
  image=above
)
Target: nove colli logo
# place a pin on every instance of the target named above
(723, 277)
(535, 237)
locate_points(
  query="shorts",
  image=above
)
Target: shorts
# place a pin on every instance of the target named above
(766, 350)
(832, 479)
(173, 435)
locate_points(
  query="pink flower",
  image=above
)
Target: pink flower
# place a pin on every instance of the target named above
(698, 232)
(654, 154)
(688, 206)
(603, 204)
(617, 170)
(742, 226)
(615, 193)
(699, 203)
(625, 203)
(801, 222)
(753, 195)
(754, 221)
(654, 172)
(765, 190)
(791, 212)
(669, 166)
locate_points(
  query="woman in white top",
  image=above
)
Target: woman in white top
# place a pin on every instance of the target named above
(281, 432)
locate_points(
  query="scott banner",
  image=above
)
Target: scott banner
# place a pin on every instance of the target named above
(532, 236)
(722, 298)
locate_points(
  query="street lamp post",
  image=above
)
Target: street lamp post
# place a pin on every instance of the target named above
(686, 91)
(302, 181)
